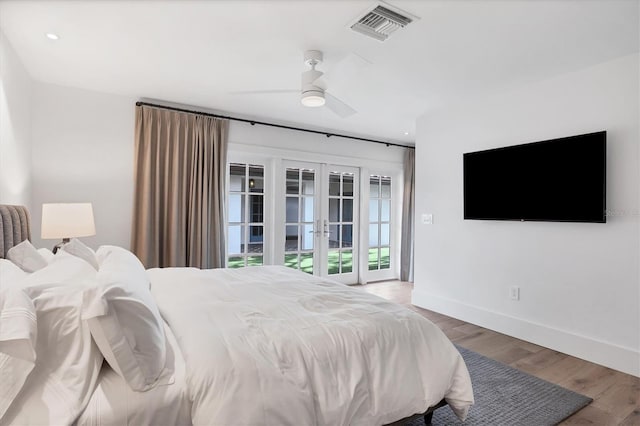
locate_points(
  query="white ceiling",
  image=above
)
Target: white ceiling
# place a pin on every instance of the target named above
(198, 52)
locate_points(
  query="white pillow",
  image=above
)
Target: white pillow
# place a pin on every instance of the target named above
(17, 343)
(46, 254)
(68, 361)
(10, 273)
(125, 321)
(26, 257)
(79, 249)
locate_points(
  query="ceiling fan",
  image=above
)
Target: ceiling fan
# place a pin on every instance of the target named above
(313, 91)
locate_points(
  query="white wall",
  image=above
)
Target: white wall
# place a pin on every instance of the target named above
(83, 152)
(580, 284)
(15, 128)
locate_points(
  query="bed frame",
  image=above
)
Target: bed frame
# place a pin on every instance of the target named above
(427, 415)
(15, 227)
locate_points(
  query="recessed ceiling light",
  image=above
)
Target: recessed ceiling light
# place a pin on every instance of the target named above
(52, 36)
(406, 133)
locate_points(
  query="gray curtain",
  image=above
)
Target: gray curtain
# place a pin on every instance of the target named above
(180, 171)
(408, 219)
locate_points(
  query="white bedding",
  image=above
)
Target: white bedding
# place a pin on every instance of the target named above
(114, 403)
(270, 345)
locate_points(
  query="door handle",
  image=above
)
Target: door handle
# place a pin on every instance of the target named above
(326, 228)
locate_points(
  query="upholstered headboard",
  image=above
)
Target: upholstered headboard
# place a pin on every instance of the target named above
(15, 227)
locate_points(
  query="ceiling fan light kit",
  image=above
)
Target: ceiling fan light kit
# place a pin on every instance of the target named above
(312, 94)
(312, 98)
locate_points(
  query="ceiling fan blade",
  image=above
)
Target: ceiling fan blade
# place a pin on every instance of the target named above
(264, 92)
(337, 106)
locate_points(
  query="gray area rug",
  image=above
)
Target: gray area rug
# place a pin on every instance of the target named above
(506, 396)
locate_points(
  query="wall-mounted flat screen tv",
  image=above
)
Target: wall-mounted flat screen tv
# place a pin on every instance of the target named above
(558, 180)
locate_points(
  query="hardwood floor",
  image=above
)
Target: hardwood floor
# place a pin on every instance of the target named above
(616, 396)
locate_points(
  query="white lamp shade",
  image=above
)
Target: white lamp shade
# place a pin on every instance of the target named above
(67, 220)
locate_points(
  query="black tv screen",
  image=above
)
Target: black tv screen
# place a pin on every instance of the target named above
(558, 180)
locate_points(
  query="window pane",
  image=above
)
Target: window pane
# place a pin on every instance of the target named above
(347, 235)
(373, 259)
(385, 259)
(384, 234)
(373, 211)
(236, 239)
(347, 261)
(334, 209)
(292, 181)
(256, 208)
(386, 188)
(292, 209)
(254, 261)
(347, 185)
(374, 187)
(235, 262)
(236, 208)
(256, 237)
(334, 237)
(236, 177)
(291, 261)
(334, 184)
(373, 235)
(306, 263)
(307, 237)
(307, 209)
(256, 179)
(334, 262)
(308, 180)
(347, 210)
(385, 205)
(291, 239)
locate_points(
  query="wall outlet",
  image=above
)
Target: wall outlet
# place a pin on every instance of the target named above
(427, 219)
(514, 293)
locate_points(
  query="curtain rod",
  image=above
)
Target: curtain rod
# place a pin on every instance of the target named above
(264, 123)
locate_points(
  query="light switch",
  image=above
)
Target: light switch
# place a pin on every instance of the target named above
(427, 219)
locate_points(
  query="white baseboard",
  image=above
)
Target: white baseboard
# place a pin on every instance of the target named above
(609, 355)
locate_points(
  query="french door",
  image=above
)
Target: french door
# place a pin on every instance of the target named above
(320, 216)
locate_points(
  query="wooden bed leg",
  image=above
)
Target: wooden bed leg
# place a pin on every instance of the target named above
(427, 418)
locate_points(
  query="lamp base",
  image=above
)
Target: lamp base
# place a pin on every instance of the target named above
(59, 245)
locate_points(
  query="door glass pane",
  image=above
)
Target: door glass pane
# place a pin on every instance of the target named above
(235, 262)
(292, 209)
(347, 210)
(385, 205)
(254, 261)
(373, 259)
(236, 239)
(291, 260)
(347, 261)
(334, 210)
(256, 235)
(347, 185)
(236, 177)
(374, 187)
(256, 179)
(347, 235)
(307, 209)
(236, 207)
(308, 179)
(291, 238)
(334, 237)
(373, 211)
(384, 234)
(386, 188)
(292, 181)
(373, 235)
(256, 208)
(334, 184)
(334, 262)
(307, 237)
(385, 259)
(306, 263)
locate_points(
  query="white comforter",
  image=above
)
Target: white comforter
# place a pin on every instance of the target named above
(273, 346)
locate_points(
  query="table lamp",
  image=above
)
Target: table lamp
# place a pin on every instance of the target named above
(67, 220)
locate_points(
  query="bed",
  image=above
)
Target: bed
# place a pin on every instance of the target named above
(257, 346)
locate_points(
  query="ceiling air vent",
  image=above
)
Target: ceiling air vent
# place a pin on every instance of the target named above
(381, 21)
